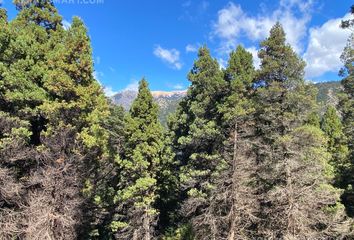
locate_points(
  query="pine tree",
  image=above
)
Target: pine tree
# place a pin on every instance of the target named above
(348, 23)
(76, 98)
(239, 119)
(55, 108)
(347, 97)
(23, 65)
(231, 203)
(167, 201)
(279, 63)
(41, 12)
(139, 167)
(102, 208)
(294, 184)
(197, 138)
(332, 127)
(314, 119)
(346, 106)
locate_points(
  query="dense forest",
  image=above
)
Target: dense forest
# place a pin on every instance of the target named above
(248, 154)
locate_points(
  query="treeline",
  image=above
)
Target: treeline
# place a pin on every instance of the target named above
(245, 156)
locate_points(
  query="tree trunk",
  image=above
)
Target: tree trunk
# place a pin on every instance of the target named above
(289, 187)
(135, 235)
(146, 225)
(233, 190)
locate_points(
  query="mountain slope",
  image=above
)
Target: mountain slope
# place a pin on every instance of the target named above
(328, 91)
(168, 101)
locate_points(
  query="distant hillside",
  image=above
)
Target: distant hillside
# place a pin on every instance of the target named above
(328, 91)
(168, 101)
(124, 98)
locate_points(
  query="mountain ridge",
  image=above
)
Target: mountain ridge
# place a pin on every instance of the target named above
(168, 100)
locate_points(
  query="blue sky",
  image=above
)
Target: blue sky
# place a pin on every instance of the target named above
(158, 39)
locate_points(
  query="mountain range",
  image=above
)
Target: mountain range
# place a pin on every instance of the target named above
(168, 101)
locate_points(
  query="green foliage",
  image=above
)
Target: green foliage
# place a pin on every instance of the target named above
(350, 22)
(347, 97)
(115, 226)
(314, 119)
(183, 232)
(332, 127)
(41, 12)
(292, 149)
(196, 133)
(47, 85)
(244, 154)
(140, 164)
(346, 106)
(239, 76)
(279, 63)
(326, 91)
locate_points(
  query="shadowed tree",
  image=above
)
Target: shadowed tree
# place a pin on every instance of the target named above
(293, 175)
(52, 109)
(196, 134)
(230, 206)
(346, 106)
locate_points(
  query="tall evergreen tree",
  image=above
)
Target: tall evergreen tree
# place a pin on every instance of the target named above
(346, 106)
(292, 194)
(23, 68)
(102, 208)
(41, 12)
(196, 133)
(332, 126)
(347, 97)
(279, 64)
(238, 109)
(139, 167)
(167, 201)
(50, 98)
(230, 206)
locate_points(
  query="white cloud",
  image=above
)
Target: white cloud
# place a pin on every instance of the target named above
(178, 86)
(192, 48)
(233, 23)
(222, 63)
(194, 11)
(256, 61)
(133, 86)
(326, 44)
(108, 91)
(170, 56)
(112, 69)
(98, 75)
(98, 60)
(303, 5)
(66, 24)
(228, 25)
